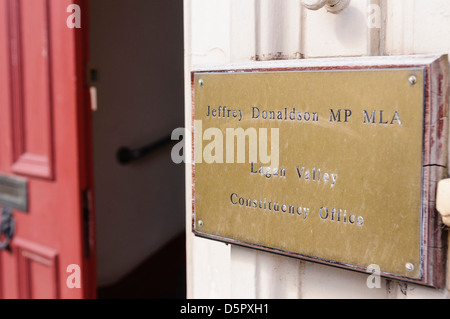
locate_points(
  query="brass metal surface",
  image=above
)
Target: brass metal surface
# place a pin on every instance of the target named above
(349, 185)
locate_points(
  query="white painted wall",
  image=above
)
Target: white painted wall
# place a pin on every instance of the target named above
(224, 31)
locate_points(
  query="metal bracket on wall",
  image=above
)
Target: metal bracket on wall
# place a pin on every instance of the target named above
(333, 6)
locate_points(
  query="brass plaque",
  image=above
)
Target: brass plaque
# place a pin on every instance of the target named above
(346, 187)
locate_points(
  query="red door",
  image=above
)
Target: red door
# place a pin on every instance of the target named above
(45, 176)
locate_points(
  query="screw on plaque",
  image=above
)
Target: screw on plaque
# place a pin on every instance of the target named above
(412, 80)
(409, 266)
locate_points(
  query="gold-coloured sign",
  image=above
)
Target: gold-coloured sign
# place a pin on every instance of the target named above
(326, 165)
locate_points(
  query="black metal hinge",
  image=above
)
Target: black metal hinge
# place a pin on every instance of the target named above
(87, 221)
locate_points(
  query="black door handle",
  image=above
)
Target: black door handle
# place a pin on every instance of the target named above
(7, 228)
(125, 155)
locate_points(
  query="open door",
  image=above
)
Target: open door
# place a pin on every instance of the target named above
(45, 151)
